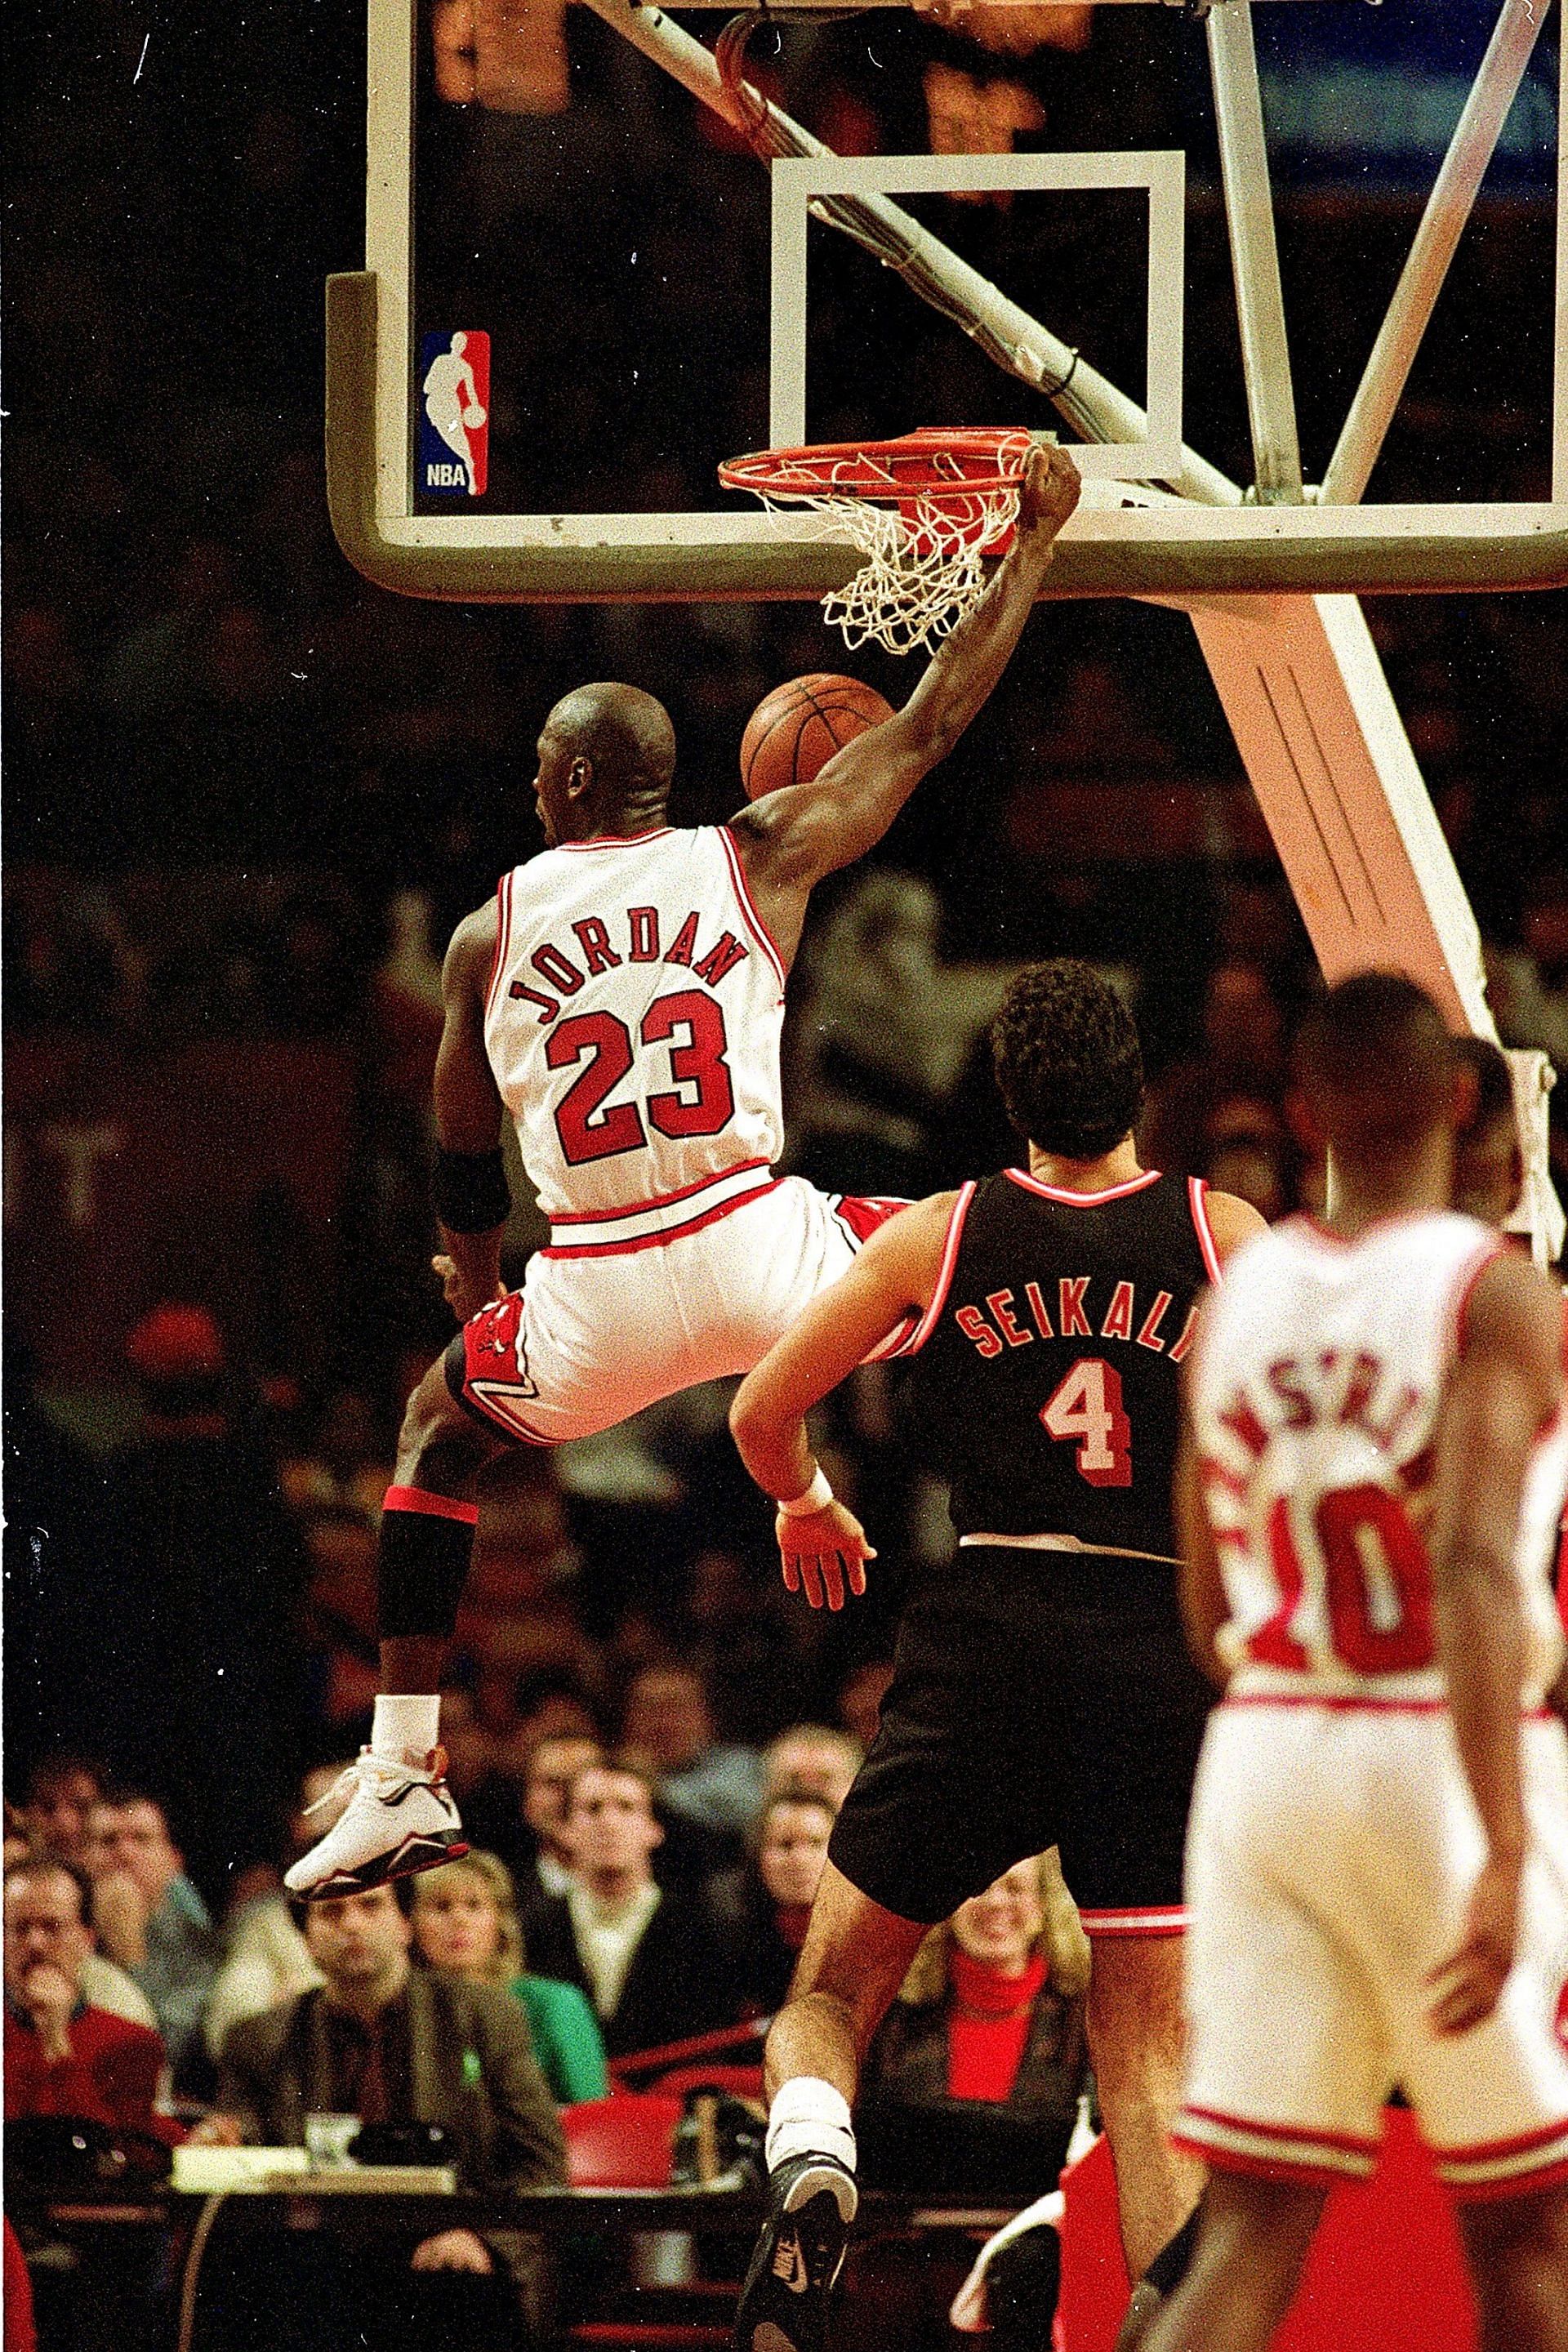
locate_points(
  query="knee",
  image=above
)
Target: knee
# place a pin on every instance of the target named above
(435, 1432)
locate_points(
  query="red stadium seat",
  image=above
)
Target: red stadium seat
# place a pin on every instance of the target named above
(626, 2141)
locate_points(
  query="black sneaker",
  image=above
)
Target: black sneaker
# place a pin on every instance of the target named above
(783, 2303)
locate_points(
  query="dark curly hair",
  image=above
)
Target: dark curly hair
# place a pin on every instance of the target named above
(1067, 1061)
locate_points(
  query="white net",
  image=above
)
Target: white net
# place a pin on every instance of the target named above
(924, 564)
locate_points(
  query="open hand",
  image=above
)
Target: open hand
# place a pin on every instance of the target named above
(119, 1912)
(49, 1996)
(1050, 491)
(821, 1551)
(1467, 1984)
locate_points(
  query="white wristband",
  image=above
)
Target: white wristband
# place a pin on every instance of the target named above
(816, 1497)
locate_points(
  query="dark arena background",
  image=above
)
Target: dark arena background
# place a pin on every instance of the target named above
(249, 796)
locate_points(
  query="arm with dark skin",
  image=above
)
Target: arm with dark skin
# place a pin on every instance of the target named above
(1505, 1388)
(1204, 1608)
(896, 1271)
(467, 1105)
(790, 839)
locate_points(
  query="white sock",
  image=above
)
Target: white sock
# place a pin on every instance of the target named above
(809, 2117)
(411, 1719)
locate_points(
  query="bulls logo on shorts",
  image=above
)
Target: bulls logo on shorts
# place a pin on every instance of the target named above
(495, 1362)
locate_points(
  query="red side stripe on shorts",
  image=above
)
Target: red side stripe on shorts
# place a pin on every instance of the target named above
(432, 1506)
(1266, 2167)
(1306, 2134)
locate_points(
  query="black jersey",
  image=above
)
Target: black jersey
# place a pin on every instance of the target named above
(1046, 1383)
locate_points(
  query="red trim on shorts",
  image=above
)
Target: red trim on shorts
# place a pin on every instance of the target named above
(1348, 1703)
(1354, 2142)
(1264, 2168)
(1082, 1200)
(503, 937)
(1511, 2184)
(1146, 1919)
(1483, 2151)
(512, 1430)
(425, 1504)
(928, 1321)
(671, 1234)
(750, 916)
(660, 1201)
(1197, 1201)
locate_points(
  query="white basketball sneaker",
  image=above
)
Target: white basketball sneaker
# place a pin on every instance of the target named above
(399, 1818)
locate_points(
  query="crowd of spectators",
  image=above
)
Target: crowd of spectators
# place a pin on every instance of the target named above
(452, 2019)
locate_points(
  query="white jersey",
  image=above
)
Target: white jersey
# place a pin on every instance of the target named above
(1316, 1392)
(633, 1022)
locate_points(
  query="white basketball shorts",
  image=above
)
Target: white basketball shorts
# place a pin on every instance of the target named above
(1330, 1852)
(620, 1312)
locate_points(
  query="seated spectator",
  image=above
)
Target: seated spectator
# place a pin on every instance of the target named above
(554, 1763)
(394, 2045)
(653, 1960)
(61, 1791)
(973, 2077)
(268, 1959)
(152, 1921)
(64, 2056)
(812, 1757)
(668, 1716)
(465, 1919)
(769, 1901)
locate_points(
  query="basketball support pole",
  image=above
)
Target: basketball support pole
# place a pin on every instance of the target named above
(1298, 677)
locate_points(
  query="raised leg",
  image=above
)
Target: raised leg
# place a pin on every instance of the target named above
(424, 1554)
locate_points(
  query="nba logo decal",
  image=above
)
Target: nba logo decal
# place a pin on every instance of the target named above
(453, 413)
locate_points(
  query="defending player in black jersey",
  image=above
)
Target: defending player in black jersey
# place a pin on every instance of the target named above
(1042, 1693)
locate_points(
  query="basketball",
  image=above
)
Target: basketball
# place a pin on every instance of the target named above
(795, 731)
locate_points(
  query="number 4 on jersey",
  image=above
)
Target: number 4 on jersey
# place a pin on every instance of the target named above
(1088, 1405)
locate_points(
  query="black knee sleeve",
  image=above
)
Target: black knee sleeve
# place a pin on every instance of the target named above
(422, 1562)
(1169, 2267)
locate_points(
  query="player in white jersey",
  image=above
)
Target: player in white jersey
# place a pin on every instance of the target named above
(1377, 1855)
(621, 998)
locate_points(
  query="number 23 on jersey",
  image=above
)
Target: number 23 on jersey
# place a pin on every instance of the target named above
(590, 1128)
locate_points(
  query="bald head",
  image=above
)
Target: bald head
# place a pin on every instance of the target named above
(623, 731)
(1375, 1064)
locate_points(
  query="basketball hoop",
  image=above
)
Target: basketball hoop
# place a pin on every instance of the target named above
(925, 511)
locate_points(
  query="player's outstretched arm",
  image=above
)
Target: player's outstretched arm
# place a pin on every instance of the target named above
(1505, 1388)
(472, 1199)
(790, 839)
(823, 1547)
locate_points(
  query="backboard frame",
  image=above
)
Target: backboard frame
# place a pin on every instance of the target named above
(1124, 540)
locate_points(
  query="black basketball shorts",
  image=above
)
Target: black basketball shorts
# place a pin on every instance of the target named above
(1038, 1698)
